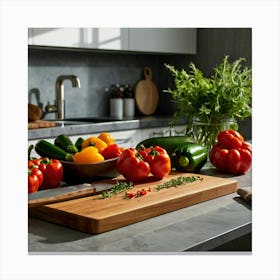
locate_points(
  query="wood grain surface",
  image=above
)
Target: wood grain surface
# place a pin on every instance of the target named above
(146, 94)
(40, 124)
(94, 215)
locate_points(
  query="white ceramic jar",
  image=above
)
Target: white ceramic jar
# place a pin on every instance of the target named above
(116, 108)
(129, 107)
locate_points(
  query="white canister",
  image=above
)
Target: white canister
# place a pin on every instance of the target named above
(129, 107)
(116, 108)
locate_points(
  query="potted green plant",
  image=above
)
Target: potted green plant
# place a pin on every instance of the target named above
(211, 104)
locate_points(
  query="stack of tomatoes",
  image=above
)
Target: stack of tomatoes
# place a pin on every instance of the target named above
(44, 173)
(231, 154)
(137, 165)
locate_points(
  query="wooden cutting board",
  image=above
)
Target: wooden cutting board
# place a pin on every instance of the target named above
(146, 94)
(94, 215)
(40, 124)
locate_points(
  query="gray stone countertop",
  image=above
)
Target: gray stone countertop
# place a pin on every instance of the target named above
(69, 127)
(200, 227)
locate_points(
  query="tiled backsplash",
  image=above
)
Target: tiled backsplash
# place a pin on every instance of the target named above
(96, 71)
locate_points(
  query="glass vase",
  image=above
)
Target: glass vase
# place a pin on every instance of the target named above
(205, 133)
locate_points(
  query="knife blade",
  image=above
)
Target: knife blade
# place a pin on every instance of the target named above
(66, 193)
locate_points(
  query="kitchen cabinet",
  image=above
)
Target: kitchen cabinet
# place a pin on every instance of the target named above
(165, 40)
(95, 38)
(158, 40)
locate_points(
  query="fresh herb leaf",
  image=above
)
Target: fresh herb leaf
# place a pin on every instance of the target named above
(227, 94)
(118, 188)
(181, 180)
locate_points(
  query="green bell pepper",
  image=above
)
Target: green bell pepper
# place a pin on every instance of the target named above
(190, 158)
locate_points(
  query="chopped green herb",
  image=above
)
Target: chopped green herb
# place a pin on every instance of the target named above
(178, 181)
(118, 188)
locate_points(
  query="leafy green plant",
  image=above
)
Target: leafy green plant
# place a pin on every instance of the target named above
(224, 95)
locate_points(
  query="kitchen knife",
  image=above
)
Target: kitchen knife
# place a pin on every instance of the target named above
(245, 194)
(66, 193)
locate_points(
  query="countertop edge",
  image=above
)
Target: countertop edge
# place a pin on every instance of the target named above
(87, 128)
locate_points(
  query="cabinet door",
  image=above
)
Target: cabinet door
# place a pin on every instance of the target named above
(58, 37)
(94, 38)
(161, 40)
(165, 40)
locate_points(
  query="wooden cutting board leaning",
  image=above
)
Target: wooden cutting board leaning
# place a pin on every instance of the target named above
(95, 215)
(146, 94)
(40, 124)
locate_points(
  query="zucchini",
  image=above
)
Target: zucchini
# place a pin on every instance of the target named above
(64, 142)
(47, 149)
(79, 143)
(169, 143)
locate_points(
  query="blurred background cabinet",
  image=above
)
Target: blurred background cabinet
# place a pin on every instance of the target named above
(159, 40)
(165, 40)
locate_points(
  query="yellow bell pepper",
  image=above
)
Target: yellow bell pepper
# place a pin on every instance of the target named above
(89, 154)
(94, 142)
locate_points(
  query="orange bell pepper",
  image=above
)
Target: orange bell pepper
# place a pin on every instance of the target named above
(107, 138)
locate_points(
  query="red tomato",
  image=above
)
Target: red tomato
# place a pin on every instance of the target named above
(132, 166)
(158, 159)
(53, 173)
(231, 154)
(246, 156)
(38, 173)
(230, 139)
(233, 161)
(33, 182)
(219, 158)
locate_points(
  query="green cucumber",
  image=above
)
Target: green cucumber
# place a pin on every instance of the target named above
(169, 143)
(79, 143)
(64, 142)
(47, 149)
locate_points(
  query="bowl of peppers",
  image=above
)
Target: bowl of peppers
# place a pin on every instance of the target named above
(95, 160)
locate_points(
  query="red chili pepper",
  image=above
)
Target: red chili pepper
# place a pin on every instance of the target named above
(132, 166)
(138, 193)
(142, 192)
(130, 195)
(112, 151)
(158, 159)
(231, 154)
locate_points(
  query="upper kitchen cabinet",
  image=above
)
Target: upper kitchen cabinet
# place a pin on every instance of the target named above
(159, 40)
(94, 38)
(164, 40)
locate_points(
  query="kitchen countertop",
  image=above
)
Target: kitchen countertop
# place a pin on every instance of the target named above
(85, 127)
(201, 227)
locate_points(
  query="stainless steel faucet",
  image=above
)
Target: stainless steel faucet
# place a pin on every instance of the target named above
(59, 89)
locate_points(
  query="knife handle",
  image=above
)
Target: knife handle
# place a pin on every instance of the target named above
(246, 195)
(61, 197)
